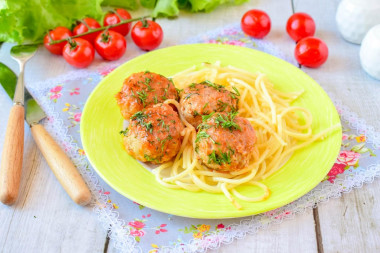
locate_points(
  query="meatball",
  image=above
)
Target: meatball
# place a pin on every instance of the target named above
(154, 134)
(204, 98)
(143, 89)
(225, 142)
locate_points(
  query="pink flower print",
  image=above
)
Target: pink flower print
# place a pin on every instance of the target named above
(348, 158)
(77, 116)
(106, 71)
(220, 226)
(56, 89)
(230, 31)
(75, 91)
(135, 232)
(136, 224)
(337, 169)
(344, 137)
(55, 96)
(234, 42)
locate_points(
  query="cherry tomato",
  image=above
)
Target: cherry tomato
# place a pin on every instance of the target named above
(147, 34)
(110, 45)
(300, 25)
(79, 53)
(311, 52)
(113, 18)
(58, 33)
(82, 28)
(255, 23)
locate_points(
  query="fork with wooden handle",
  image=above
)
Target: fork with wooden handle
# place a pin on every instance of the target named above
(61, 165)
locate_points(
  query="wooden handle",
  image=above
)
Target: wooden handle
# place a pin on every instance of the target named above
(62, 167)
(11, 160)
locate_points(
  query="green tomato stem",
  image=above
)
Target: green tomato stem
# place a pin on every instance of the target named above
(125, 21)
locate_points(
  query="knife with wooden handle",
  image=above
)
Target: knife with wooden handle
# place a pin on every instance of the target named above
(61, 165)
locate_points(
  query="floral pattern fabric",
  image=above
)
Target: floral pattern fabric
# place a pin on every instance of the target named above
(136, 228)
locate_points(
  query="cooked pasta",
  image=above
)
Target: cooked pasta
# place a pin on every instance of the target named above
(280, 129)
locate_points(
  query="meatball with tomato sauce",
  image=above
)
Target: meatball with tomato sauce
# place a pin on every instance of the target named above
(225, 142)
(154, 134)
(144, 89)
(204, 98)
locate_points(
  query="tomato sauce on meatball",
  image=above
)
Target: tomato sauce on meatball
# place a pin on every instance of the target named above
(154, 134)
(225, 142)
(144, 89)
(204, 98)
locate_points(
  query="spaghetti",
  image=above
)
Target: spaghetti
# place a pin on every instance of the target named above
(280, 128)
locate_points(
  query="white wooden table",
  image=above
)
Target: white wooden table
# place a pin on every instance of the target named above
(44, 219)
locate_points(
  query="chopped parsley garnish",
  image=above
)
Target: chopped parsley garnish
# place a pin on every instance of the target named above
(220, 158)
(142, 95)
(205, 105)
(189, 95)
(146, 72)
(178, 91)
(236, 91)
(155, 99)
(192, 85)
(151, 159)
(163, 142)
(147, 83)
(227, 121)
(213, 85)
(206, 117)
(140, 117)
(164, 97)
(124, 132)
(201, 135)
(196, 113)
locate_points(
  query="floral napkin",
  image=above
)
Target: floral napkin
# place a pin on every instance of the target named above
(135, 228)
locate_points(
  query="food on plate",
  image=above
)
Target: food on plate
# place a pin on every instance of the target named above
(147, 34)
(311, 52)
(241, 146)
(112, 18)
(300, 25)
(143, 89)
(225, 142)
(84, 26)
(203, 98)
(154, 134)
(79, 53)
(255, 23)
(110, 45)
(58, 33)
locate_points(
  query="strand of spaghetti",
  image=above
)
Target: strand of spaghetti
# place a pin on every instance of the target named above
(229, 196)
(320, 135)
(189, 187)
(176, 104)
(267, 97)
(238, 181)
(183, 173)
(249, 199)
(201, 184)
(269, 129)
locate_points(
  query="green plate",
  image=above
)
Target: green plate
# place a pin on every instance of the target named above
(101, 123)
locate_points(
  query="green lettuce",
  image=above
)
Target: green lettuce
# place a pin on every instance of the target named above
(27, 21)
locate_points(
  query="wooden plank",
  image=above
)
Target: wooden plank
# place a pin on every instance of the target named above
(350, 223)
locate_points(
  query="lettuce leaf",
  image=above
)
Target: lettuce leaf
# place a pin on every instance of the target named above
(27, 21)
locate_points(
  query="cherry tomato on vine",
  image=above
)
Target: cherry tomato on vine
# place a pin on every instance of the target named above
(311, 52)
(82, 28)
(58, 33)
(79, 53)
(300, 25)
(114, 18)
(110, 45)
(147, 34)
(256, 23)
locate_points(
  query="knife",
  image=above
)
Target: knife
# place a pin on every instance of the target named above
(61, 165)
